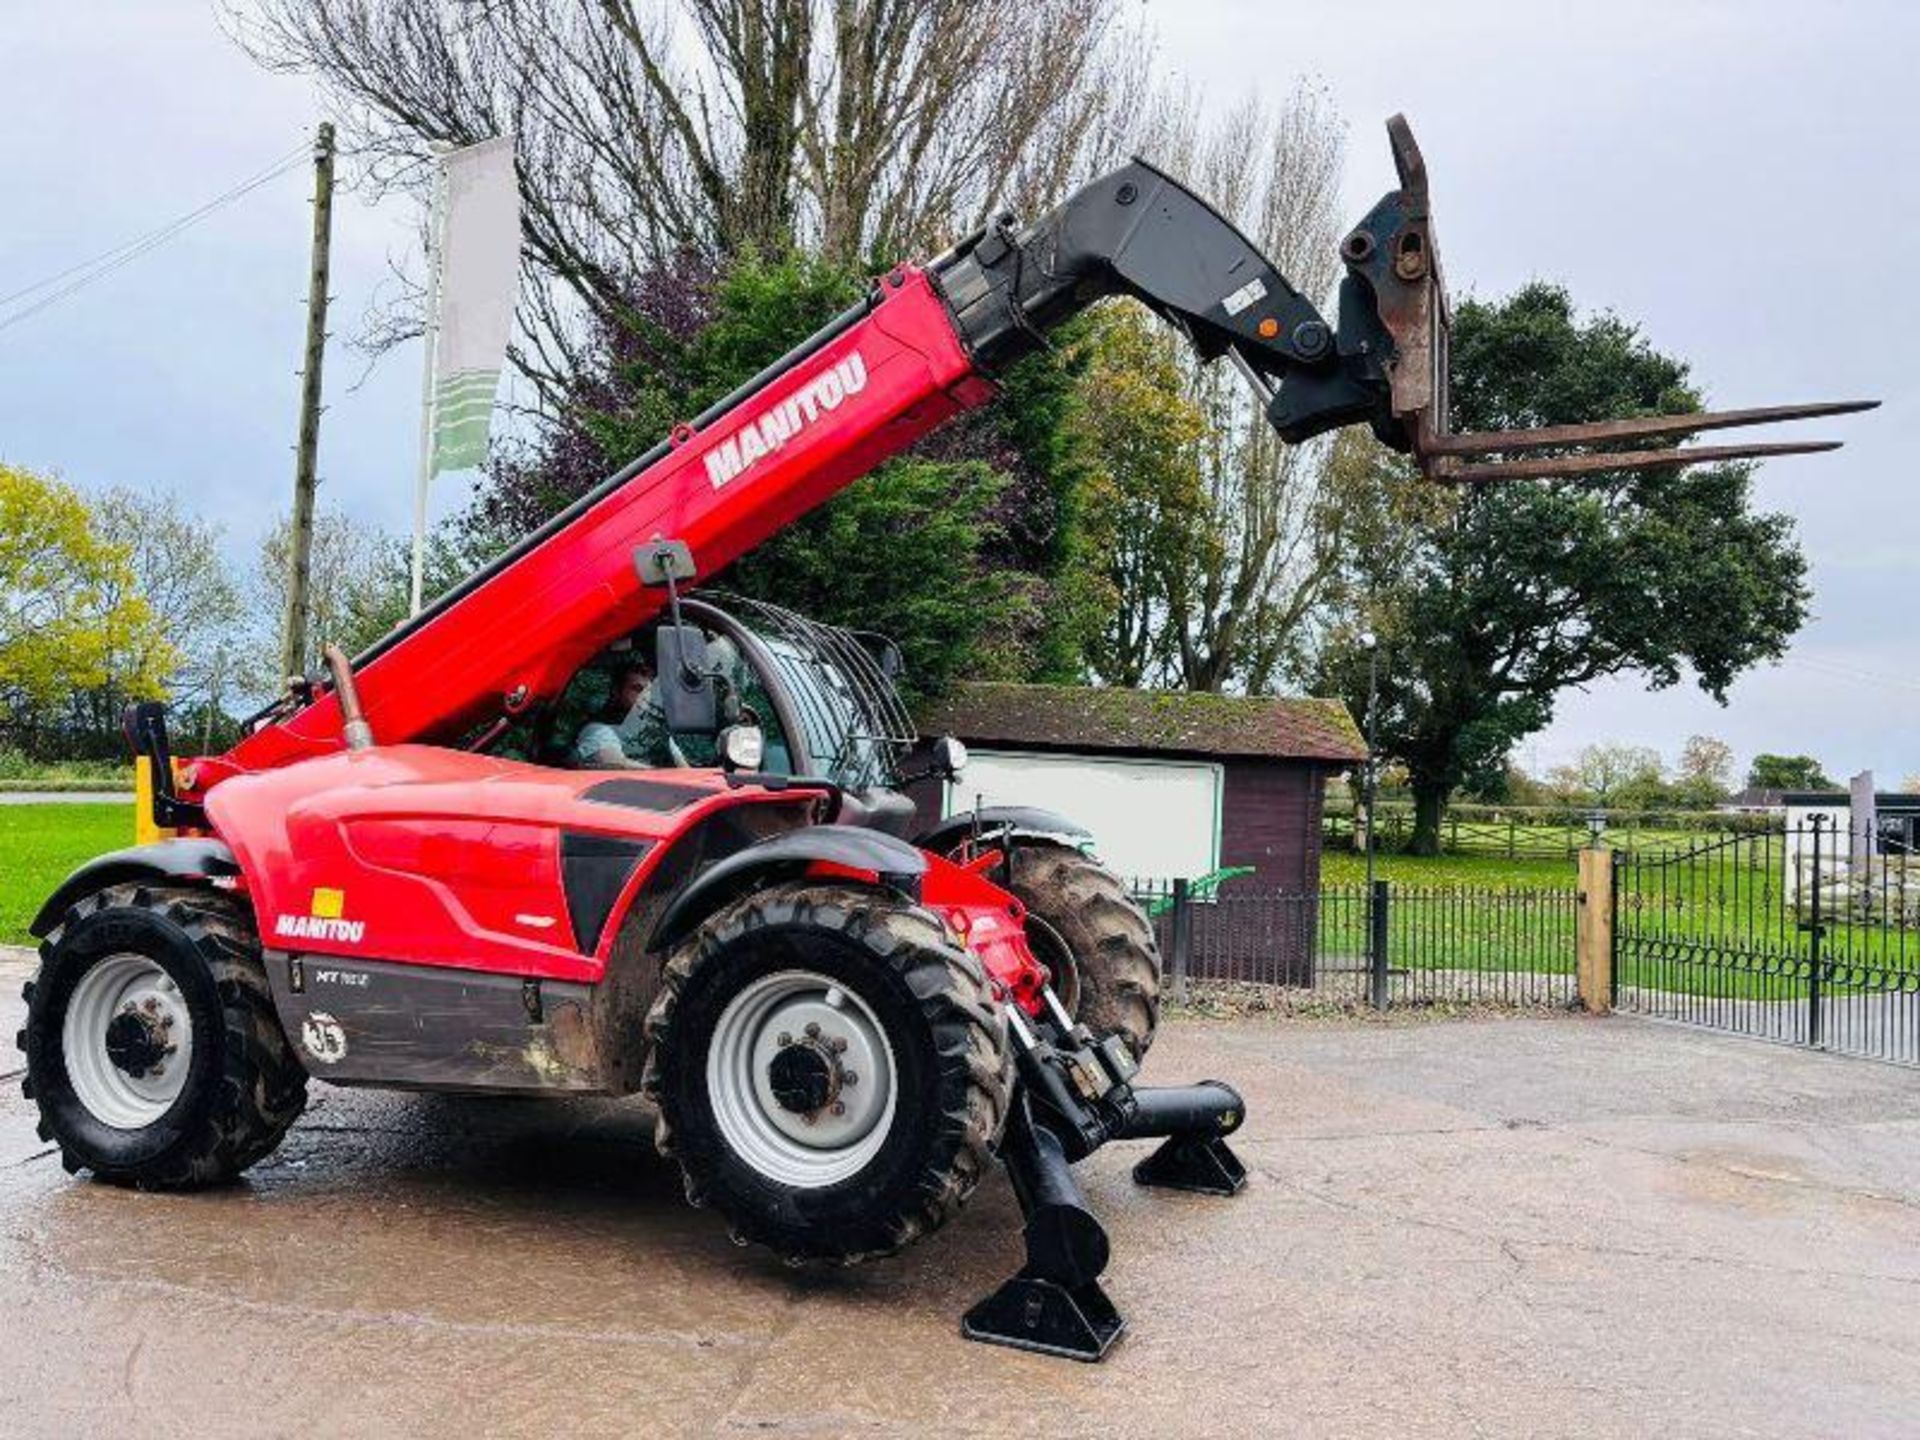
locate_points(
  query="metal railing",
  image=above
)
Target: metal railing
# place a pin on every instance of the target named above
(1521, 833)
(1804, 936)
(1393, 944)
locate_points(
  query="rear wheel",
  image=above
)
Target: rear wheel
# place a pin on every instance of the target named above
(1083, 926)
(153, 1051)
(831, 1070)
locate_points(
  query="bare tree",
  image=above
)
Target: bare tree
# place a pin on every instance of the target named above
(1233, 602)
(357, 592)
(643, 128)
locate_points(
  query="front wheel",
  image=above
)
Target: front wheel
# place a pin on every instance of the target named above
(152, 1047)
(831, 1069)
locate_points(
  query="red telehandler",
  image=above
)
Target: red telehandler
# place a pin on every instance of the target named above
(843, 1025)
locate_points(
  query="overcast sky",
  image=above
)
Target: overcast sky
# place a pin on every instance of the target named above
(1742, 178)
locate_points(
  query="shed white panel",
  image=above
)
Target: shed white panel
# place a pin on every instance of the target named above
(1150, 819)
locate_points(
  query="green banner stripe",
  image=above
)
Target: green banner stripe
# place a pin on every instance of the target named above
(455, 390)
(459, 378)
(463, 409)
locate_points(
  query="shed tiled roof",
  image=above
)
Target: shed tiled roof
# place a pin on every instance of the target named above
(1078, 717)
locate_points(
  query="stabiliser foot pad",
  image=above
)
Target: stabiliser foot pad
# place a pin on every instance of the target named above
(1201, 1164)
(1075, 1323)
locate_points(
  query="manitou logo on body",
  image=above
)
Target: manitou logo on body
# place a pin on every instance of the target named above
(326, 922)
(766, 433)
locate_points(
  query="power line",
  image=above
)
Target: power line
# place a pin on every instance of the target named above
(79, 276)
(1842, 670)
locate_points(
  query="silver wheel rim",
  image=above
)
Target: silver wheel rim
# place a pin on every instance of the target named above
(126, 986)
(833, 1142)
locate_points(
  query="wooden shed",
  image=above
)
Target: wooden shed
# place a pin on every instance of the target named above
(1172, 784)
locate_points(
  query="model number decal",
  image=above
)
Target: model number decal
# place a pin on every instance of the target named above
(358, 979)
(1254, 289)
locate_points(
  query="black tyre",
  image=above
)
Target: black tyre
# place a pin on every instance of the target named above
(1083, 926)
(153, 1051)
(831, 1069)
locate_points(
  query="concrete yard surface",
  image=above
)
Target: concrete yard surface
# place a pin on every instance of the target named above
(1541, 1226)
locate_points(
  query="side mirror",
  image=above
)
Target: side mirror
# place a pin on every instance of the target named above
(949, 757)
(688, 697)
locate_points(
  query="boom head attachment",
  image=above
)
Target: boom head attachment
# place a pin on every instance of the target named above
(1393, 345)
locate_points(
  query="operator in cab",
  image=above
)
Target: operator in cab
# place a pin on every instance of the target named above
(628, 732)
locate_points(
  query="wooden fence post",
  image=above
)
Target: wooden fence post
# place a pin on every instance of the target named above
(1593, 963)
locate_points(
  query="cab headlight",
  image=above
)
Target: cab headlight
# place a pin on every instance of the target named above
(743, 747)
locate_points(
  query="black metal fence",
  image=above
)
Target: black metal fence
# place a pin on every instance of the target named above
(1392, 944)
(1541, 833)
(1807, 936)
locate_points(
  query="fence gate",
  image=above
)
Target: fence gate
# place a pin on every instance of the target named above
(1806, 935)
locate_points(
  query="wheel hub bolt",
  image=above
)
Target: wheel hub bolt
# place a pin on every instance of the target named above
(786, 1039)
(849, 1077)
(813, 1030)
(838, 1043)
(839, 1107)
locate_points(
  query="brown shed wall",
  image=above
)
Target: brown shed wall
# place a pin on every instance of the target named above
(1270, 819)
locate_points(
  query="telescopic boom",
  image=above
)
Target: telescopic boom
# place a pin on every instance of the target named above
(923, 346)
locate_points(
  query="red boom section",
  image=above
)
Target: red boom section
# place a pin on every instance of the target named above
(518, 635)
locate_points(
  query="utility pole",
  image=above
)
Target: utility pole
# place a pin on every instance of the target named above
(305, 480)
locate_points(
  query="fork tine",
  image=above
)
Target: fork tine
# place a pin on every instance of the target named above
(1556, 467)
(1547, 437)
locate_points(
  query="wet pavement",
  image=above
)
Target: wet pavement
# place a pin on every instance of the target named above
(1544, 1225)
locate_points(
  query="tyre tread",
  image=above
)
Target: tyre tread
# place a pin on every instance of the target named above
(263, 1087)
(953, 994)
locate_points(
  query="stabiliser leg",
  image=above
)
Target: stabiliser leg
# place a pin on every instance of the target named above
(1075, 1094)
(1055, 1304)
(1196, 1119)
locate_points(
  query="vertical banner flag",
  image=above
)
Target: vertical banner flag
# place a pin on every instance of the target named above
(473, 264)
(479, 276)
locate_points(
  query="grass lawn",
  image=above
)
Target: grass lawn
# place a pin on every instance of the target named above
(1713, 927)
(41, 844)
(1344, 867)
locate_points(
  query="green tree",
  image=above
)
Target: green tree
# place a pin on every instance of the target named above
(1788, 772)
(1146, 504)
(70, 611)
(1492, 602)
(898, 554)
(1621, 777)
(177, 567)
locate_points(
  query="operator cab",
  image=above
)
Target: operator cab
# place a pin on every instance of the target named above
(824, 700)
